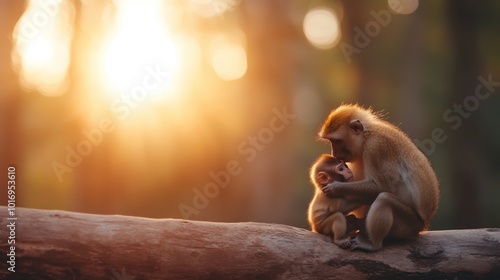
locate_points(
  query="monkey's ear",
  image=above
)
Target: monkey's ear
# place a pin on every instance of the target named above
(356, 126)
(322, 178)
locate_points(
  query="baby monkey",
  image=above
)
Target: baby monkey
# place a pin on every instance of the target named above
(328, 215)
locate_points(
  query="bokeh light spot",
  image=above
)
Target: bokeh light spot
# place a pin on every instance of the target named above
(229, 57)
(321, 28)
(404, 7)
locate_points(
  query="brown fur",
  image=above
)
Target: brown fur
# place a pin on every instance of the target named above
(327, 215)
(396, 176)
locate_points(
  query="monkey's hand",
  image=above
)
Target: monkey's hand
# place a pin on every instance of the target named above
(331, 190)
(362, 191)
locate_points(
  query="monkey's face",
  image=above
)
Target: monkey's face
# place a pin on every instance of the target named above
(344, 171)
(340, 150)
(346, 141)
(329, 173)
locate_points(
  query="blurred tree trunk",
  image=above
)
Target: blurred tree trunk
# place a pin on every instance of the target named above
(95, 183)
(356, 14)
(409, 107)
(464, 17)
(271, 68)
(10, 92)
(408, 69)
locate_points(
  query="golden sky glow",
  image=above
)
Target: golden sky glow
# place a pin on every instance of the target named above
(211, 8)
(42, 40)
(137, 38)
(139, 41)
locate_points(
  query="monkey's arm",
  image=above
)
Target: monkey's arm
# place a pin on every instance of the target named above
(364, 191)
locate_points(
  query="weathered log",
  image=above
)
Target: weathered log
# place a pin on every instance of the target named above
(65, 245)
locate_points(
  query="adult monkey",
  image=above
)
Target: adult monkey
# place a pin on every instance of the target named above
(389, 171)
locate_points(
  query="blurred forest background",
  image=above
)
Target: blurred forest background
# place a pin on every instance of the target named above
(209, 109)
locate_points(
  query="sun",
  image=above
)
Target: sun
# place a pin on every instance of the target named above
(139, 42)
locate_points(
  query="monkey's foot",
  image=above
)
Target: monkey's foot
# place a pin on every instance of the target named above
(360, 243)
(343, 243)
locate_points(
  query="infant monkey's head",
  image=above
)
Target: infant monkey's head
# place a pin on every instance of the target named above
(327, 169)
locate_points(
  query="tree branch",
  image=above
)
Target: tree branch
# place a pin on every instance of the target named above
(53, 244)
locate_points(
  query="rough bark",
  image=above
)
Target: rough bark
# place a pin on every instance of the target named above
(54, 244)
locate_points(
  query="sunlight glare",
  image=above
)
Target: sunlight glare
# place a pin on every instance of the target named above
(38, 53)
(189, 52)
(321, 28)
(140, 42)
(211, 8)
(42, 42)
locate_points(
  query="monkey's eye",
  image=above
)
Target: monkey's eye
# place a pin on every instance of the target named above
(341, 169)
